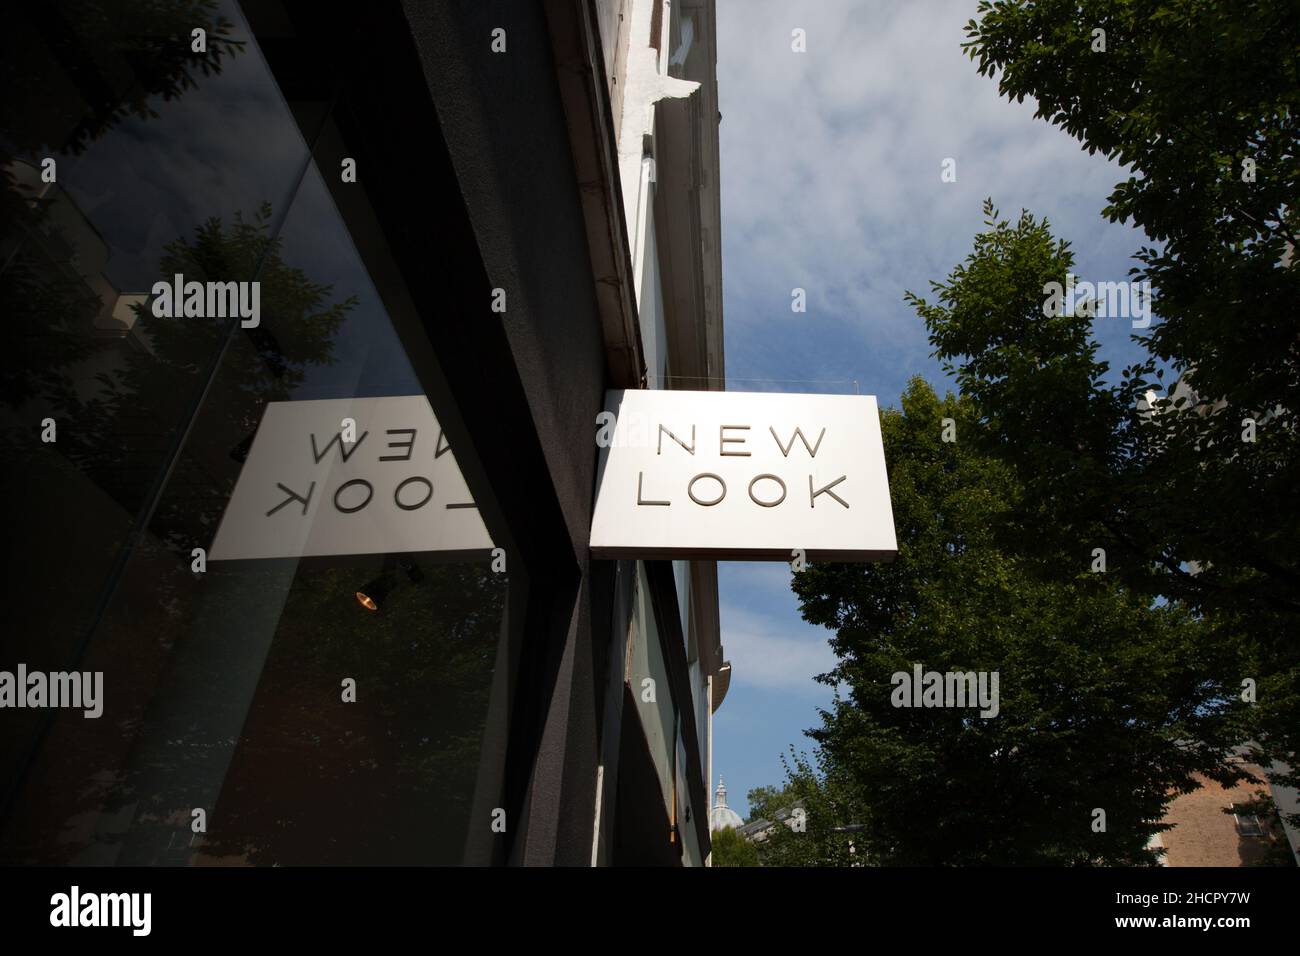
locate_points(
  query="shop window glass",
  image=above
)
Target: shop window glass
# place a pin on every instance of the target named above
(297, 704)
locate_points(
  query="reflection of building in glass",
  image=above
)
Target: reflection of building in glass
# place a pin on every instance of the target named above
(476, 707)
(68, 242)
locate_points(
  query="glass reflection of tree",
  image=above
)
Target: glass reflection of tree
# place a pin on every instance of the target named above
(404, 757)
(71, 71)
(406, 754)
(130, 424)
(424, 664)
(263, 364)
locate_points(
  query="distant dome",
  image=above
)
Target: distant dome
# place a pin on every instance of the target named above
(721, 816)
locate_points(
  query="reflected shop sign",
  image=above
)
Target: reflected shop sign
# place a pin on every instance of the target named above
(306, 489)
(741, 476)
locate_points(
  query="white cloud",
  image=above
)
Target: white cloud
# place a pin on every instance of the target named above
(775, 651)
(831, 171)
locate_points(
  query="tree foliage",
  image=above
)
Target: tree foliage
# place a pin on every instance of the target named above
(1184, 93)
(1200, 101)
(1107, 699)
(809, 815)
(732, 849)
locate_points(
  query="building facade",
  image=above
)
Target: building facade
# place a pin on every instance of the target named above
(723, 817)
(1238, 825)
(303, 648)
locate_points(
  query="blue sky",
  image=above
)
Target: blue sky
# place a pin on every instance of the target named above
(831, 164)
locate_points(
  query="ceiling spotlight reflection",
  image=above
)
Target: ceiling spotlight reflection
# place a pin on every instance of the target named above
(375, 592)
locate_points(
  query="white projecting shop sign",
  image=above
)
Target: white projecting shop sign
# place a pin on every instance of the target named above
(742, 476)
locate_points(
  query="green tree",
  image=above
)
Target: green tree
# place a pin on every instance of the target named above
(732, 849)
(764, 800)
(1183, 95)
(808, 815)
(1107, 698)
(1200, 101)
